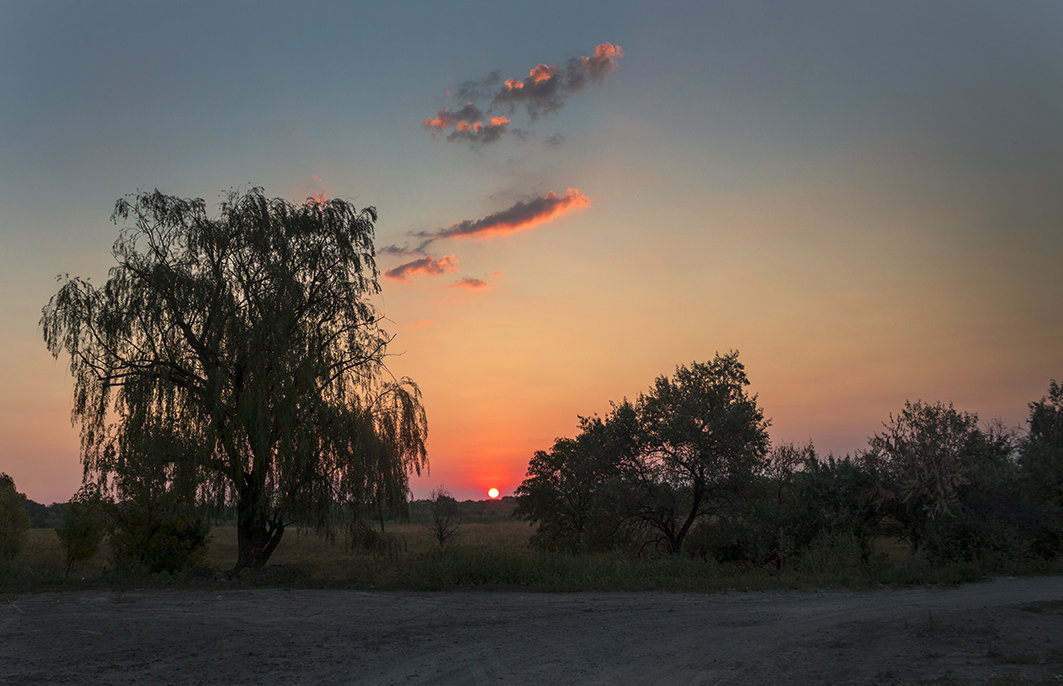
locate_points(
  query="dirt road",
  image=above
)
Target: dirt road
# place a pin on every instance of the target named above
(1005, 631)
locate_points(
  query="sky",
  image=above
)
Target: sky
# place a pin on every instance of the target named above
(863, 199)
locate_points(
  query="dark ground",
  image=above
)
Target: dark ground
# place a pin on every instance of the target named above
(1008, 631)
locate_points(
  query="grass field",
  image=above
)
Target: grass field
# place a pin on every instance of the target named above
(491, 554)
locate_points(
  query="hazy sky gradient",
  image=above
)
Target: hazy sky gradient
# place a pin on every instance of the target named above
(862, 198)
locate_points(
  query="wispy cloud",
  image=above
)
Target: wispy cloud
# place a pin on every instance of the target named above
(547, 88)
(544, 90)
(471, 283)
(422, 267)
(518, 217)
(446, 117)
(522, 215)
(479, 131)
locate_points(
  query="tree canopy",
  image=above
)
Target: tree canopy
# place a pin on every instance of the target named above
(650, 470)
(238, 359)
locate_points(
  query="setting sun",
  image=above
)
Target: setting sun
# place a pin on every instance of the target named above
(492, 493)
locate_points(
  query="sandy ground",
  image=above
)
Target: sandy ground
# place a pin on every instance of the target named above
(1005, 631)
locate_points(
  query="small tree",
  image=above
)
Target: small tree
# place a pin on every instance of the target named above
(938, 468)
(84, 526)
(702, 439)
(14, 521)
(648, 471)
(446, 517)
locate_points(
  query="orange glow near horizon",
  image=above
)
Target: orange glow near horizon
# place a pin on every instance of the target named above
(492, 493)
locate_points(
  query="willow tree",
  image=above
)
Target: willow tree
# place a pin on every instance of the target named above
(237, 359)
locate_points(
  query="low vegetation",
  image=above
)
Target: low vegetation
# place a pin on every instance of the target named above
(495, 553)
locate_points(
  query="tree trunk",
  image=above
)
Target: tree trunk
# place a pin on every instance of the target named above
(676, 543)
(258, 531)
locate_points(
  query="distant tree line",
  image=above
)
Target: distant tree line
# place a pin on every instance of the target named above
(688, 467)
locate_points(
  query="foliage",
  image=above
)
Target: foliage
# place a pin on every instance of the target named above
(86, 520)
(446, 518)
(840, 497)
(44, 516)
(948, 482)
(576, 490)
(648, 471)
(701, 440)
(237, 360)
(160, 533)
(1042, 469)
(772, 522)
(14, 521)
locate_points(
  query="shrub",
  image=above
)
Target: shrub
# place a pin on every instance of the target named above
(14, 521)
(446, 518)
(156, 535)
(84, 525)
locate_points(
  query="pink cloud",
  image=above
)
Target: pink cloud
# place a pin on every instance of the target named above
(542, 72)
(478, 131)
(317, 192)
(422, 267)
(604, 61)
(522, 215)
(544, 90)
(445, 117)
(471, 283)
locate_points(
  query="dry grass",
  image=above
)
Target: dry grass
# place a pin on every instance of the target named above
(481, 554)
(299, 546)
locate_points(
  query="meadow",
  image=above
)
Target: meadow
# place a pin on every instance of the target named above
(494, 554)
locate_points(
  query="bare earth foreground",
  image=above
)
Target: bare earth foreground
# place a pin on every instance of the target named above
(1004, 631)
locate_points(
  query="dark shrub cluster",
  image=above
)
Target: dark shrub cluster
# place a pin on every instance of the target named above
(687, 468)
(162, 534)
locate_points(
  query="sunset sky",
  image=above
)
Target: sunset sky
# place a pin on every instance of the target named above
(864, 199)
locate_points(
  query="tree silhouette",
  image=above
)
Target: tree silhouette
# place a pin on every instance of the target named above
(683, 452)
(933, 458)
(702, 439)
(14, 521)
(577, 490)
(1042, 465)
(84, 525)
(237, 359)
(446, 517)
